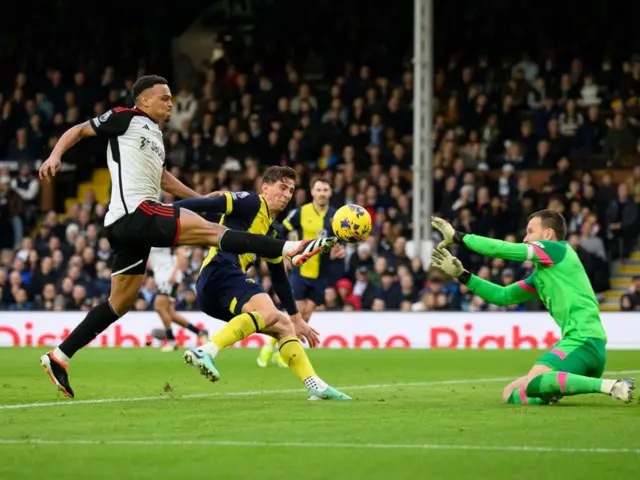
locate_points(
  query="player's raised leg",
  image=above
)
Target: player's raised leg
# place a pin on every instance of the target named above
(125, 285)
(195, 230)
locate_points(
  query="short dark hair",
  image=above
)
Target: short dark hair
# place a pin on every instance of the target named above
(553, 220)
(276, 173)
(322, 180)
(146, 81)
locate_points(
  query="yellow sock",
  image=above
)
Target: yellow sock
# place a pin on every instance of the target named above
(273, 342)
(238, 328)
(294, 355)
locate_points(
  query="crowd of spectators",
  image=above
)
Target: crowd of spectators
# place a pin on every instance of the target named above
(358, 134)
(497, 120)
(66, 265)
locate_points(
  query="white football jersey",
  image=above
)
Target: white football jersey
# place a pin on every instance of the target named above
(135, 157)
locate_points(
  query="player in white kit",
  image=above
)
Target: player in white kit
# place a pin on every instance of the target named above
(136, 221)
(167, 266)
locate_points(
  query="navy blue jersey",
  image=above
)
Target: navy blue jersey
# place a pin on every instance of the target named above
(247, 212)
(223, 286)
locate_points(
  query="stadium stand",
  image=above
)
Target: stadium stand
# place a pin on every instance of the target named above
(512, 134)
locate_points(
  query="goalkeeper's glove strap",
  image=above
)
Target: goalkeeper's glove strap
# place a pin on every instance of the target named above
(458, 236)
(464, 277)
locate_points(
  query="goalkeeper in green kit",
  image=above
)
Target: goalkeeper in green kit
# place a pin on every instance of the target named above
(575, 365)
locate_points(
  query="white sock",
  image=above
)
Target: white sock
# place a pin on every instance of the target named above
(607, 385)
(210, 348)
(316, 383)
(60, 356)
(290, 246)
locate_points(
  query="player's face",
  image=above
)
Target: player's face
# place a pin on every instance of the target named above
(321, 193)
(157, 102)
(536, 232)
(279, 194)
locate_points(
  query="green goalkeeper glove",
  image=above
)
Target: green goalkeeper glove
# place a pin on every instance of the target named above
(443, 260)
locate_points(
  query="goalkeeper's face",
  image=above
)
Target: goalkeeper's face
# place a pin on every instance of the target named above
(537, 232)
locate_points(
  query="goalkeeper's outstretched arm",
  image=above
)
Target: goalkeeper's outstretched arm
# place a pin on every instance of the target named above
(544, 253)
(520, 292)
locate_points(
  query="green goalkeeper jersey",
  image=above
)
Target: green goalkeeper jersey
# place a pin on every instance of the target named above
(559, 280)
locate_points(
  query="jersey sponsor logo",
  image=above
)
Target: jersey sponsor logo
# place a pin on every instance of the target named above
(239, 195)
(538, 244)
(105, 116)
(158, 150)
(153, 146)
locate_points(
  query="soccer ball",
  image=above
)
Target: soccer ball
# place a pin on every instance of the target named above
(351, 223)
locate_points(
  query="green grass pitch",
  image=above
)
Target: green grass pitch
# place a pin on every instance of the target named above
(416, 414)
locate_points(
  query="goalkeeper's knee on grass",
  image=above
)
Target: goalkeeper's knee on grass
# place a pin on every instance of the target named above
(519, 396)
(565, 384)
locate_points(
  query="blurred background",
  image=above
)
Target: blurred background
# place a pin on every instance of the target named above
(535, 105)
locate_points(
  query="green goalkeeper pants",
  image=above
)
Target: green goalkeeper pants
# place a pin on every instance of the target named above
(582, 356)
